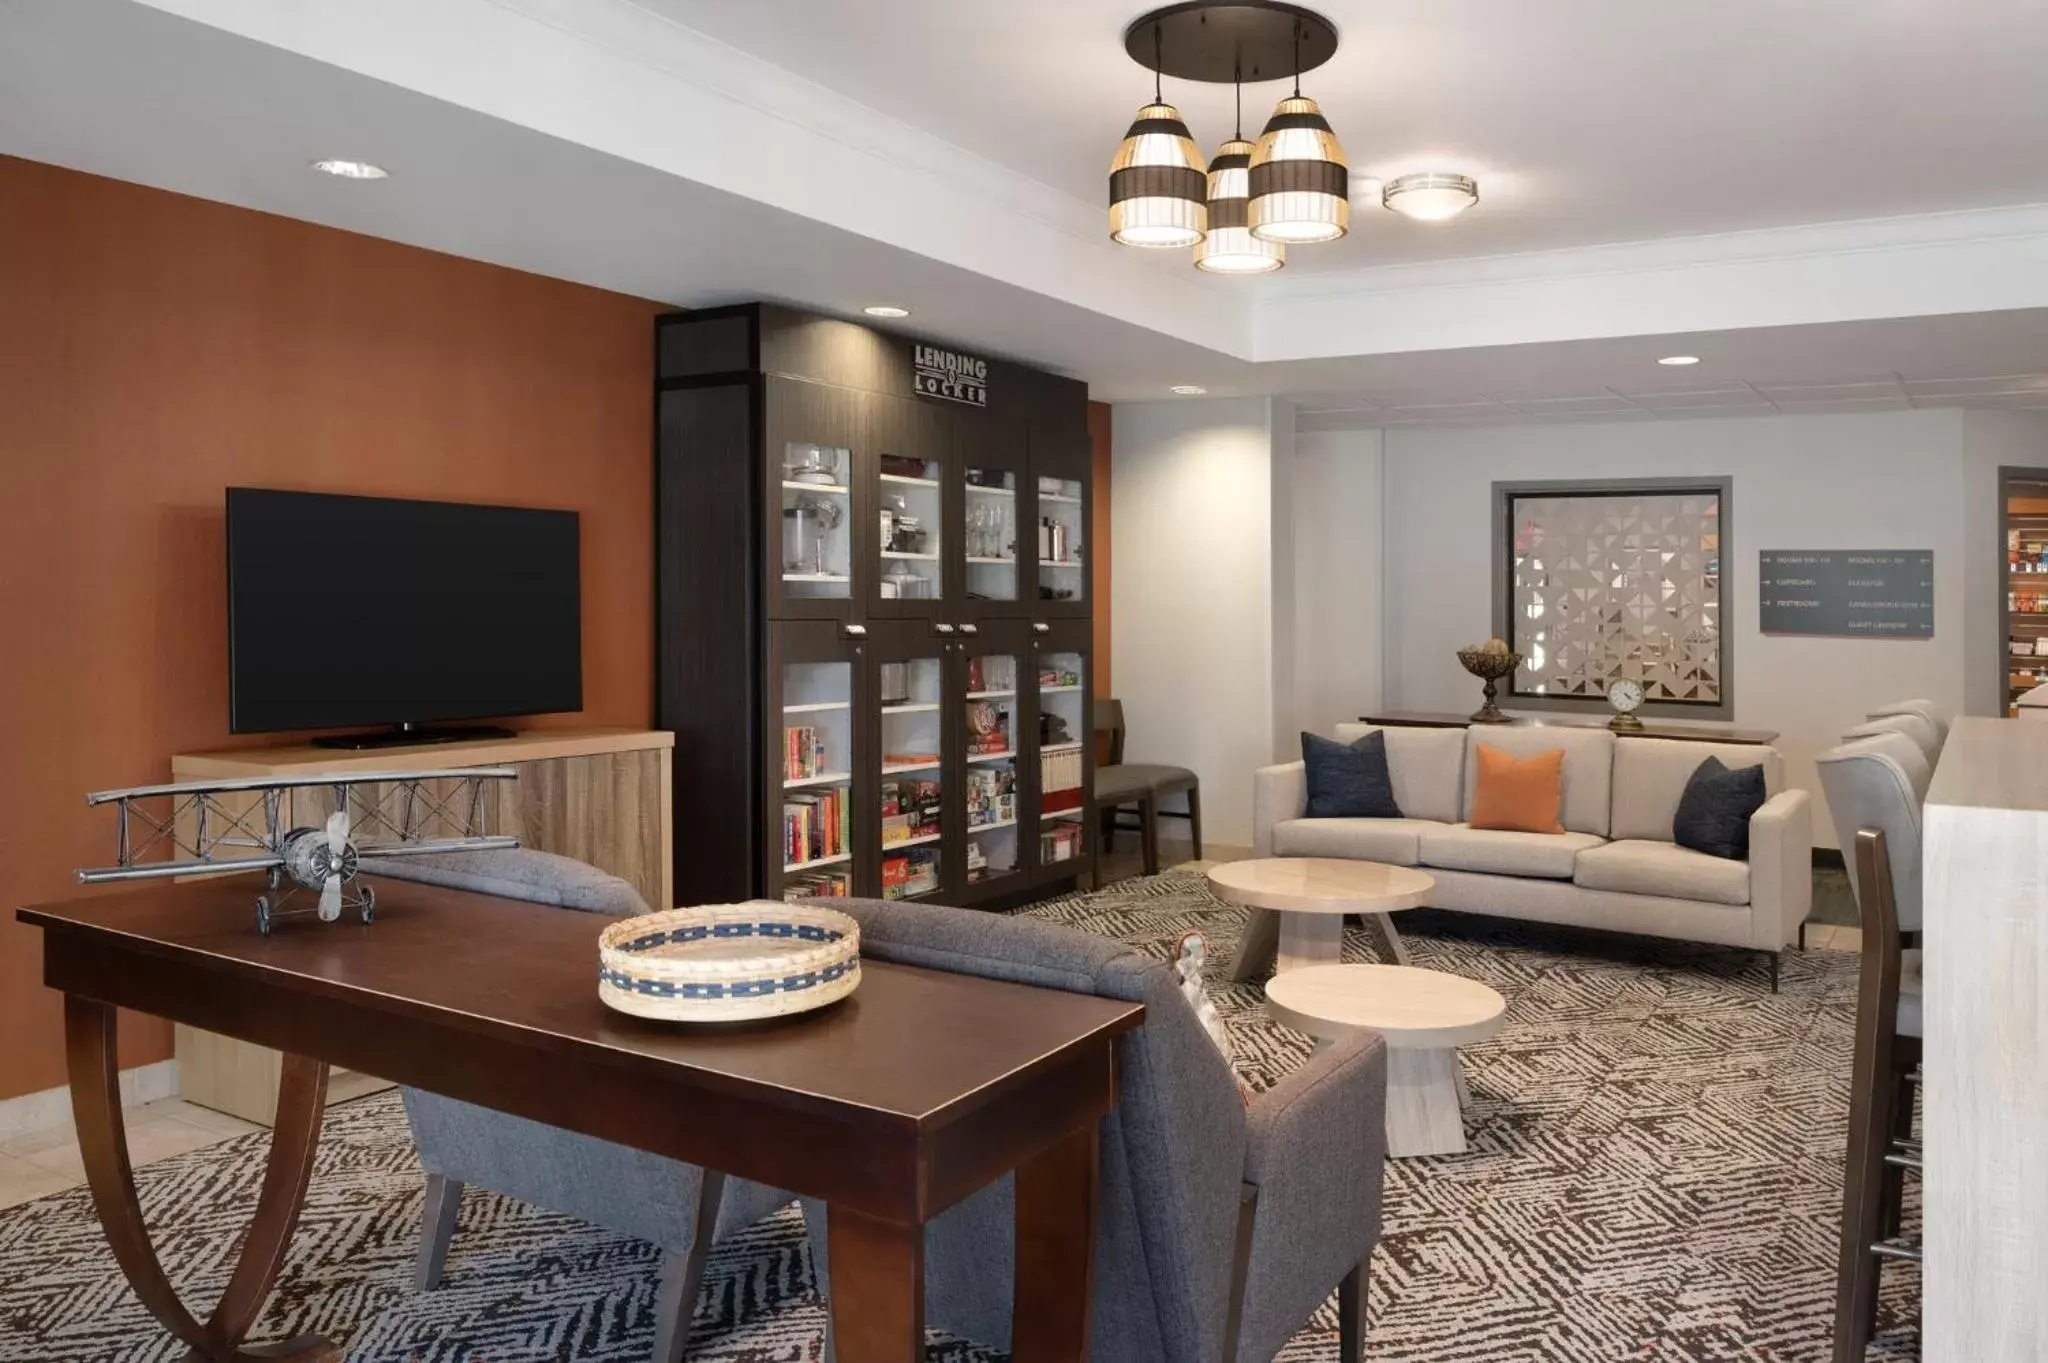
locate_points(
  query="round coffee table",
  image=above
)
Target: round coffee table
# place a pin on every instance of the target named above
(1310, 896)
(1425, 1015)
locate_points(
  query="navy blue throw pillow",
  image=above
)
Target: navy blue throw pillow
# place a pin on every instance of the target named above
(1713, 814)
(1348, 780)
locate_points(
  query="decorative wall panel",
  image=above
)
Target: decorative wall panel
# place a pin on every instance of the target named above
(1606, 585)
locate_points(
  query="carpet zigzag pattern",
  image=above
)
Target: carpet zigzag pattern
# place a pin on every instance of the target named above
(1656, 1150)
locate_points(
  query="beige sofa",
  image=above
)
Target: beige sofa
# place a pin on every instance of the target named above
(1615, 865)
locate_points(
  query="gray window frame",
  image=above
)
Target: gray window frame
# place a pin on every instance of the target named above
(1504, 497)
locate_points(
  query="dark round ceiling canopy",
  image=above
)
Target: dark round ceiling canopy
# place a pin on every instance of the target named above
(1252, 39)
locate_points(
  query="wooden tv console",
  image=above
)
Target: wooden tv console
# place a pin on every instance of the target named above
(599, 795)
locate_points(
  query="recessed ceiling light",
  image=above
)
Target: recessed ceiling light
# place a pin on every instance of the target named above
(1189, 390)
(1680, 359)
(1431, 195)
(352, 170)
(886, 310)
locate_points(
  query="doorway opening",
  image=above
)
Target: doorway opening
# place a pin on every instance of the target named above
(2023, 509)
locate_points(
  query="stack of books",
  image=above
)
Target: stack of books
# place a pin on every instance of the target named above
(803, 753)
(910, 873)
(991, 795)
(826, 884)
(1060, 842)
(1059, 780)
(910, 809)
(814, 825)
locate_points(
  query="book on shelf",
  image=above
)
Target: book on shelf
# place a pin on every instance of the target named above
(910, 809)
(803, 752)
(814, 825)
(821, 884)
(1062, 842)
(1059, 779)
(912, 872)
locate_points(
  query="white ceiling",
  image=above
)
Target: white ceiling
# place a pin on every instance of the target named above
(1587, 121)
(596, 141)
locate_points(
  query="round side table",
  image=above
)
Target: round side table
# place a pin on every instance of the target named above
(1425, 1015)
(1309, 897)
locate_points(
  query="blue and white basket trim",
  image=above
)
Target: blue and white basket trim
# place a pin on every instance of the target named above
(735, 989)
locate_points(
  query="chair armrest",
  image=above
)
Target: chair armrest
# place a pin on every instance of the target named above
(1781, 868)
(1315, 1146)
(1277, 793)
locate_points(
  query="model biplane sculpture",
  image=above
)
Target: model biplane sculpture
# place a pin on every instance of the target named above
(212, 827)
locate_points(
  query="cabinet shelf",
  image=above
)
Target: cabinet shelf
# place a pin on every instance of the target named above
(992, 827)
(919, 558)
(827, 778)
(989, 695)
(1059, 497)
(920, 841)
(816, 707)
(992, 491)
(1073, 813)
(817, 577)
(907, 480)
(913, 708)
(789, 867)
(1059, 747)
(901, 768)
(831, 489)
(1008, 755)
(1059, 563)
(977, 559)
(1049, 690)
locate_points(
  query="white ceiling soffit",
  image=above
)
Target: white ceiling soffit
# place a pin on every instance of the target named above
(599, 141)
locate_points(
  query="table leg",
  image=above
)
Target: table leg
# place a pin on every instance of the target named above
(1255, 945)
(1386, 938)
(1309, 939)
(1056, 1224)
(877, 1288)
(89, 1044)
(1423, 1113)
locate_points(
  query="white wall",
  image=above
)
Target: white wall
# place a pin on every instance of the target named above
(1335, 528)
(1192, 601)
(1876, 481)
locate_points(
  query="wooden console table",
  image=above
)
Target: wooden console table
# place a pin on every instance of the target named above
(601, 796)
(889, 1106)
(1698, 731)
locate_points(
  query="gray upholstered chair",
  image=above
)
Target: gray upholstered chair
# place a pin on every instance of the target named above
(1141, 784)
(1927, 736)
(1876, 796)
(680, 1207)
(1223, 1226)
(1934, 714)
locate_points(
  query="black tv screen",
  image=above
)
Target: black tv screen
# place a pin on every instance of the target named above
(347, 611)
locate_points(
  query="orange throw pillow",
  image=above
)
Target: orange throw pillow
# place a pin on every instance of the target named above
(1518, 795)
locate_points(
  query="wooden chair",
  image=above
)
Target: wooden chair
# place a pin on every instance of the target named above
(1141, 784)
(1875, 793)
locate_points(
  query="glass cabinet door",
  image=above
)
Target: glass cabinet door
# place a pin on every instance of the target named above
(1058, 540)
(1063, 765)
(811, 436)
(992, 728)
(818, 756)
(909, 471)
(990, 534)
(910, 698)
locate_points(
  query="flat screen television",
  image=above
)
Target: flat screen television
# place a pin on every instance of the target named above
(352, 611)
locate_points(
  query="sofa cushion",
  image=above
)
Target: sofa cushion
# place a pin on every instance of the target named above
(1713, 814)
(1650, 775)
(1639, 866)
(1459, 847)
(1516, 794)
(1588, 767)
(1428, 767)
(1391, 841)
(1348, 780)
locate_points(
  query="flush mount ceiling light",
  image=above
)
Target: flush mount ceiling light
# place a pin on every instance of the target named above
(1188, 390)
(1680, 359)
(1430, 195)
(886, 310)
(352, 170)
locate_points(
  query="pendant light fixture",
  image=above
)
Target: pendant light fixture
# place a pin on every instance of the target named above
(1230, 247)
(1300, 181)
(1157, 194)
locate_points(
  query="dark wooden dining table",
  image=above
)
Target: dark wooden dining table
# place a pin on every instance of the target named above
(890, 1106)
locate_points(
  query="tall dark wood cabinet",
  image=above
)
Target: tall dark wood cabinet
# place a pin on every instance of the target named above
(874, 609)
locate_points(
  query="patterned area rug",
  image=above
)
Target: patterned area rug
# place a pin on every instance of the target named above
(1654, 1175)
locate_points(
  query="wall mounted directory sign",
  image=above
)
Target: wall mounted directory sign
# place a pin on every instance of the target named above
(1847, 593)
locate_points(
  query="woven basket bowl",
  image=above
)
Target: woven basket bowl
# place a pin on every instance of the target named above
(1489, 666)
(728, 962)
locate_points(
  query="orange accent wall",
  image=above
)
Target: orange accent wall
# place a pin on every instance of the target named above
(156, 348)
(1099, 545)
